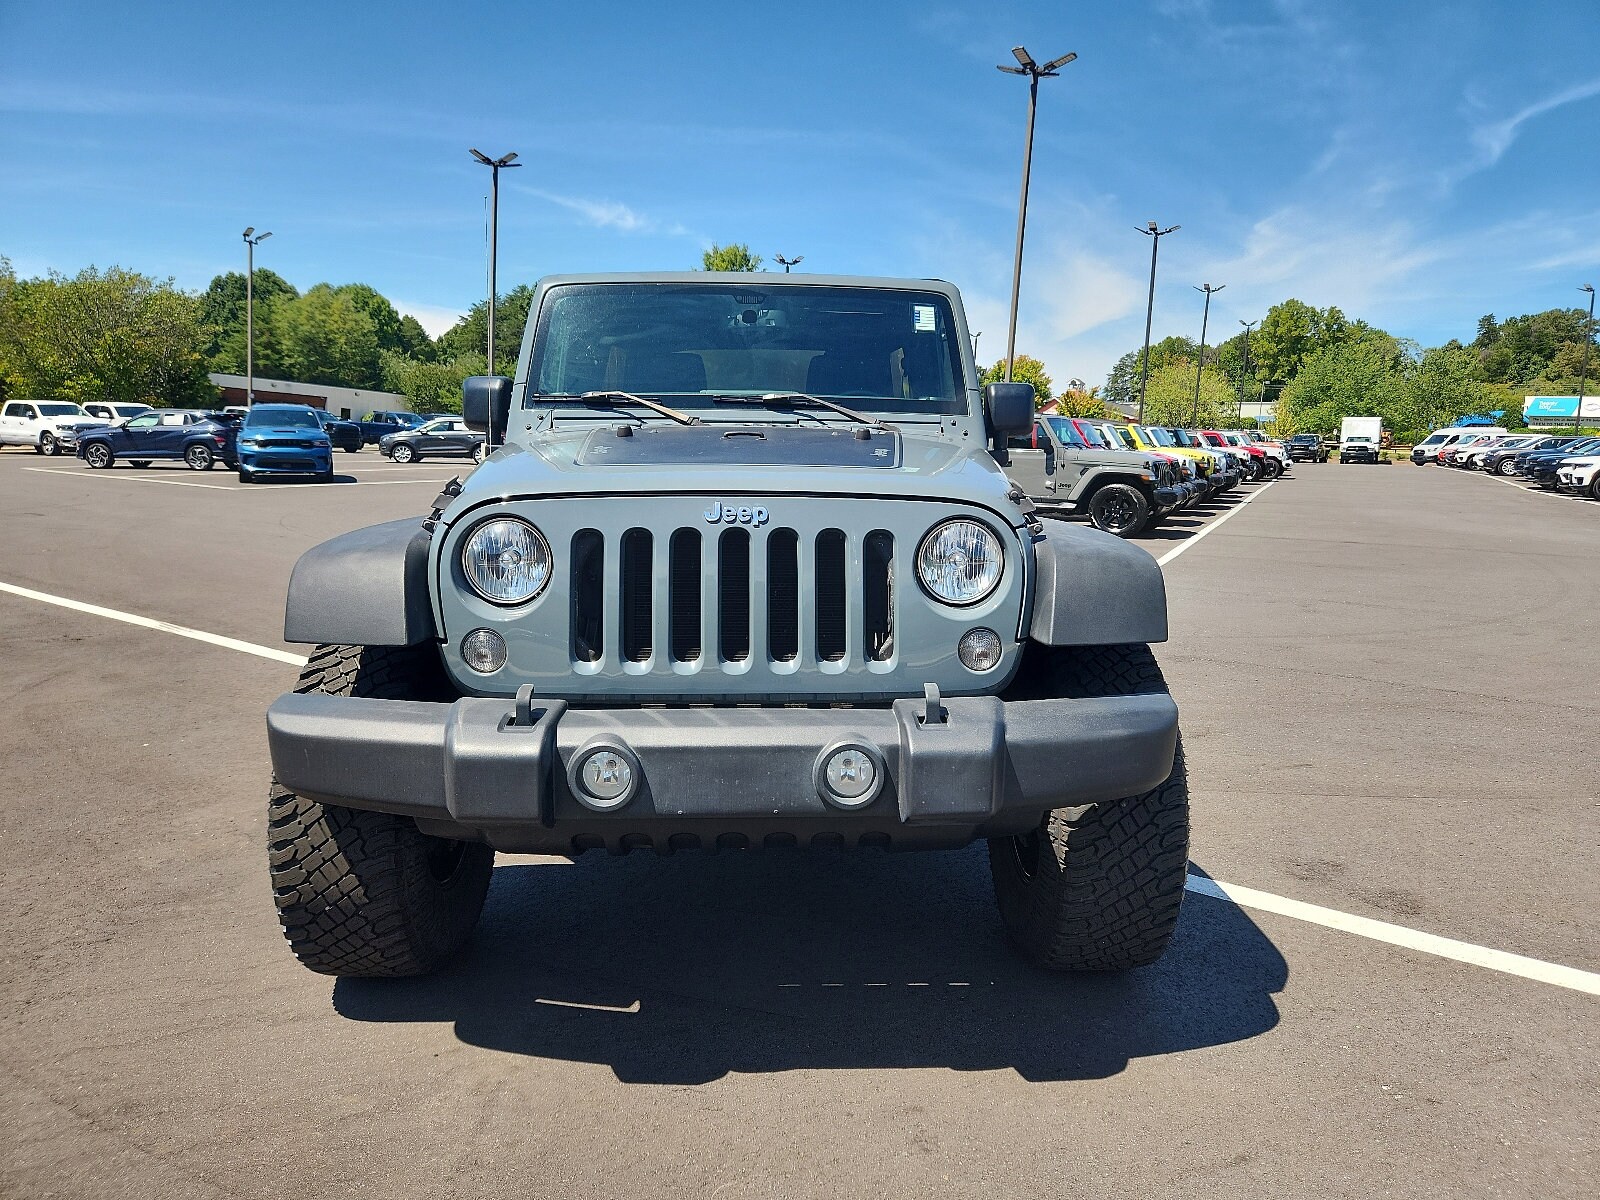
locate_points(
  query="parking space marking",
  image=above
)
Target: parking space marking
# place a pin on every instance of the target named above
(199, 635)
(1535, 969)
(130, 477)
(1187, 542)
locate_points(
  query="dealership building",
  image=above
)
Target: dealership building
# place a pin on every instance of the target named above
(340, 401)
(1556, 412)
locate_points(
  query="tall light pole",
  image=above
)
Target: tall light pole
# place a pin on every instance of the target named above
(250, 312)
(786, 263)
(1034, 72)
(1155, 233)
(1239, 408)
(1583, 372)
(975, 338)
(494, 165)
(1200, 371)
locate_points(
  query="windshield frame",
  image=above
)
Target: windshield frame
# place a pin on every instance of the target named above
(949, 327)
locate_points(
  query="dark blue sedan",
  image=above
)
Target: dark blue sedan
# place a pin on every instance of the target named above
(283, 439)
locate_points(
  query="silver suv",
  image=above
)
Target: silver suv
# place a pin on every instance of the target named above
(743, 571)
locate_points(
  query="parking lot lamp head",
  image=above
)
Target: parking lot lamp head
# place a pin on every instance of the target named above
(786, 263)
(495, 165)
(1034, 72)
(1583, 371)
(1155, 233)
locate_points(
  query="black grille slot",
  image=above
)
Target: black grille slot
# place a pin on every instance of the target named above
(683, 594)
(877, 564)
(830, 595)
(588, 589)
(783, 595)
(733, 594)
(637, 548)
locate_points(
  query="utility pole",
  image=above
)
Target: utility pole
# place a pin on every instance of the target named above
(1200, 371)
(1155, 233)
(1238, 415)
(250, 312)
(1583, 372)
(494, 165)
(786, 263)
(1034, 72)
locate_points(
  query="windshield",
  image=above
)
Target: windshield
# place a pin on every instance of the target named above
(1180, 437)
(129, 410)
(1158, 435)
(1066, 431)
(1094, 437)
(61, 410)
(292, 418)
(875, 349)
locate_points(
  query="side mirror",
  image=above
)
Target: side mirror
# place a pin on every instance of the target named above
(1010, 407)
(486, 405)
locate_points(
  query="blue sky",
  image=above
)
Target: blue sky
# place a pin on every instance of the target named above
(1418, 164)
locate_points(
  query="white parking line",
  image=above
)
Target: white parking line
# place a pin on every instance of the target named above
(1187, 542)
(199, 635)
(1399, 935)
(129, 476)
(1490, 959)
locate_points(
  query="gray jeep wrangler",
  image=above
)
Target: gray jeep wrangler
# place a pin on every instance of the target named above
(743, 571)
(1123, 492)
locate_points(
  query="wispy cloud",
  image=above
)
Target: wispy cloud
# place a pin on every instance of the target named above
(1494, 138)
(610, 214)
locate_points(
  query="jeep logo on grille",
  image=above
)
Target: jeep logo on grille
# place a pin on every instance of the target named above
(727, 514)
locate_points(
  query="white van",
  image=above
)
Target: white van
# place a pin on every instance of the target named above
(1427, 450)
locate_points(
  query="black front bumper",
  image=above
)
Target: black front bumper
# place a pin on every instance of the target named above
(710, 777)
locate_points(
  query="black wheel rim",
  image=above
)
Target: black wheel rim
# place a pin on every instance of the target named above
(445, 858)
(1117, 511)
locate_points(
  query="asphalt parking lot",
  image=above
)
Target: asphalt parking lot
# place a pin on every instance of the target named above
(1382, 720)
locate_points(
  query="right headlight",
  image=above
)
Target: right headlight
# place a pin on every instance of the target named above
(506, 561)
(960, 561)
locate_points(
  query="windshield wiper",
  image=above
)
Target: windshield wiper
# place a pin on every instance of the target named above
(790, 398)
(594, 399)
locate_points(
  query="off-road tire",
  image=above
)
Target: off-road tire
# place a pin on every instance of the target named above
(366, 893)
(1119, 508)
(1098, 888)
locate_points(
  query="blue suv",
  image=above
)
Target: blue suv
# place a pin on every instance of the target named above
(283, 439)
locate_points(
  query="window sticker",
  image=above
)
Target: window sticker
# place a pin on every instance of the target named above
(922, 319)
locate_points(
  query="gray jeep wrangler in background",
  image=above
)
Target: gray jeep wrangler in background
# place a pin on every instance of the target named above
(743, 571)
(1123, 492)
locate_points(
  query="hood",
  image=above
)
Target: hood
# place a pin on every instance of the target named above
(297, 431)
(741, 460)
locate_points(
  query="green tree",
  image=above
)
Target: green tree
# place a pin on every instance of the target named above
(1169, 397)
(111, 335)
(1122, 386)
(1364, 378)
(470, 334)
(385, 320)
(430, 386)
(414, 339)
(1082, 402)
(735, 256)
(323, 337)
(222, 308)
(1023, 370)
(1442, 387)
(1292, 332)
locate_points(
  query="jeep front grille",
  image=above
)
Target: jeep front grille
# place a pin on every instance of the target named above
(707, 595)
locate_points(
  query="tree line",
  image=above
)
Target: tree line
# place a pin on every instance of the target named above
(117, 335)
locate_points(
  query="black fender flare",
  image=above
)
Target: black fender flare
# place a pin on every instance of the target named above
(368, 587)
(1095, 589)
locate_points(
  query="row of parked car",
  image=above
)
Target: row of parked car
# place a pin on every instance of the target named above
(265, 439)
(1566, 462)
(1127, 478)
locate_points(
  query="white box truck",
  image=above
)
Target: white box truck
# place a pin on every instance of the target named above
(1360, 438)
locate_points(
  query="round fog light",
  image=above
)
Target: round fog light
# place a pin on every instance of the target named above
(979, 649)
(603, 777)
(484, 651)
(849, 775)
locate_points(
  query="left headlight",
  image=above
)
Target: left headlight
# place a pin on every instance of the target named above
(506, 561)
(960, 561)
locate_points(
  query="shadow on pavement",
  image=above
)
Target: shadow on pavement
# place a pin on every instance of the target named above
(684, 969)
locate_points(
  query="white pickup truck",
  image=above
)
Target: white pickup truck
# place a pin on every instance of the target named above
(49, 426)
